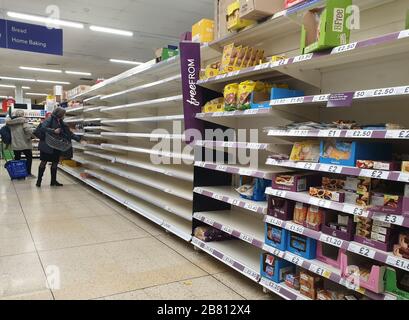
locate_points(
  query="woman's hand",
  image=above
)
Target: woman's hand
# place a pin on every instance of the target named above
(57, 131)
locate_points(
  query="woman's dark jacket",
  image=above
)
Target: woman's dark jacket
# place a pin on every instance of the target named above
(49, 126)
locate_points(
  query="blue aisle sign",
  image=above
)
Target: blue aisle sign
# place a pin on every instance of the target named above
(30, 37)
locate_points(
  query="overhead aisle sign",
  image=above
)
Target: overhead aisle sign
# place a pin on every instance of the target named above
(30, 37)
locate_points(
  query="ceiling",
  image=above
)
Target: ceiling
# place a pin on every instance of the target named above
(155, 23)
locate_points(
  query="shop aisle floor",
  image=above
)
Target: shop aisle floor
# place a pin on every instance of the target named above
(89, 247)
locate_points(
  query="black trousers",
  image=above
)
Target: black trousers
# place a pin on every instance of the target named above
(29, 157)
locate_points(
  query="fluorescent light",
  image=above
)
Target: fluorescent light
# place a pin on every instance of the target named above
(7, 86)
(41, 69)
(79, 73)
(26, 88)
(36, 94)
(45, 20)
(126, 62)
(54, 82)
(18, 79)
(112, 31)
(3, 97)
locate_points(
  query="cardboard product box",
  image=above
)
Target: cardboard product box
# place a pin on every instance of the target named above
(203, 31)
(234, 22)
(321, 193)
(325, 27)
(260, 9)
(220, 27)
(295, 182)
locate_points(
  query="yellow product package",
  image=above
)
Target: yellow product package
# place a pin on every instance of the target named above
(215, 105)
(230, 96)
(306, 151)
(230, 54)
(245, 90)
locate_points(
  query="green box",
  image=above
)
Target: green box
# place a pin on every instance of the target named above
(391, 279)
(325, 27)
(163, 54)
(407, 20)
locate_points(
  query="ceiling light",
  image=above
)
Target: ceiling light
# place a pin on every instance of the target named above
(26, 88)
(112, 31)
(37, 94)
(54, 82)
(3, 97)
(7, 86)
(126, 62)
(17, 79)
(45, 20)
(79, 73)
(41, 69)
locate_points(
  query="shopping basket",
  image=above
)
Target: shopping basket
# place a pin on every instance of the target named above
(17, 169)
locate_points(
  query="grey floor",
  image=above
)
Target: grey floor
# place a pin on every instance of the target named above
(89, 247)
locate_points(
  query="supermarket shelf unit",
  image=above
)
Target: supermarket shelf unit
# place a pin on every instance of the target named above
(128, 116)
(373, 69)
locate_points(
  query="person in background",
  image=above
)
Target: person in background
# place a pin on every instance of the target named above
(21, 135)
(53, 125)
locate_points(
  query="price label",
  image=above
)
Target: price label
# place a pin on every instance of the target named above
(252, 207)
(251, 273)
(277, 133)
(295, 259)
(384, 92)
(390, 218)
(295, 228)
(234, 202)
(344, 48)
(209, 249)
(329, 133)
(303, 57)
(279, 63)
(227, 229)
(331, 240)
(218, 197)
(397, 134)
(274, 221)
(375, 174)
(246, 172)
(167, 226)
(361, 94)
(404, 177)
(299, 133)
(255, 145)
(356, 211)
(359, 133)
(274, 251)
(229, 144)
(275, 287)
(361, 250)
(279, 193)
(296, 100)
(200, 164)
(209, 221)
(228, 260)
(198, 190)
(321, 98)
(317, 270)
(403, 34)
(221, 168)
(331, 168)
(398, 263)
(320, 202)
(246, 238)
(251, 111)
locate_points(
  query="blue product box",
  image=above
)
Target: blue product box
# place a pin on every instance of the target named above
(276, 237)
(302, 246)
(258, 99)
(347, 153)
(259, 188)
(274, 268)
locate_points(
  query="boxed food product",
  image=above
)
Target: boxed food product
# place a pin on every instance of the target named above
(253, 188)
(397, 283)
(276, 237)
(325, 27)
(331, 183)
(387, 203)
(203, 31)
(280, 208)
(275, 92)
(296, 182)
(310, 284)
(229, 58)
(274, 268)
(329, 254)
(302, 246)
(378, 165)
(292, 3)
(234, 22)
(259, 9)
(339, 225)
(321, 193)
(308, 151)
(366, 235)
(358, 184)
(220, 9)
(163, 54)
(293, 281)
(346, 153)
(314, 218)
(211, 70)
(362, 272)
(405, 166)
(400, 252)
(210, 234)
(328, 295)
(300, 213)
(246, 89)
(230, 96)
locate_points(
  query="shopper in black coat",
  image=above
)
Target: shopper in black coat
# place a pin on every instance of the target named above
(53, 125)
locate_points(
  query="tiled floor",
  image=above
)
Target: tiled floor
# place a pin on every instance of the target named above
(89, 247)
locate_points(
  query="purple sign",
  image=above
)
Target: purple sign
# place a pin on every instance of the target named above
(30, 37)
(192, 93)
(340, 99)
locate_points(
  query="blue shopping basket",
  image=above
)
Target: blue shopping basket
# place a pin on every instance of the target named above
(17, 169)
